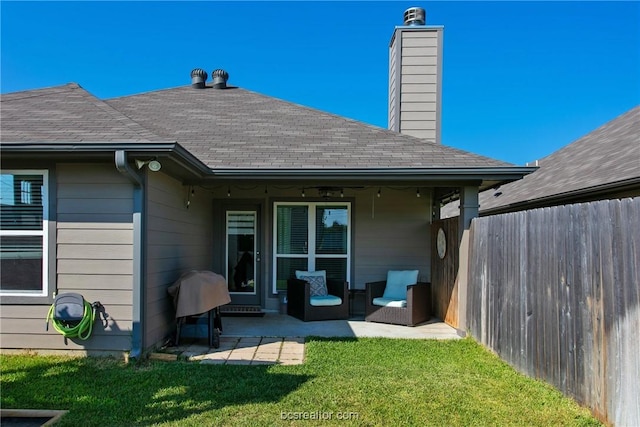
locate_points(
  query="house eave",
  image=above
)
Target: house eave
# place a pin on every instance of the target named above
(197, 170)
(182, 159)
(583, 194)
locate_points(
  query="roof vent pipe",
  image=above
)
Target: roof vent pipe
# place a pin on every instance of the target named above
(415, 16)
(198, 78)
(220, 78)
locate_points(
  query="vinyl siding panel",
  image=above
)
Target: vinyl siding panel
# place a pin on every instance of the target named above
(429, 70)
(92, 235)
(420, 125)
(418, 52)
(94, 266)
(418, 88)
(107, 191)
(419, 116)
(419, 82)
(410, 98)
(98, 281)
(391, 233)
(103, 206)
(421, 133)
(419, 61)
(54, 342)
(81, 251)
(424, 65)
(94, 238)
(418, 79)
(418, 106)
(98, 217)
(429, 35)
(179, 239)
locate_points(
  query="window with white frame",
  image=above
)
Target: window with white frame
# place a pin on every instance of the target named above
(311, 236)
(23, 233)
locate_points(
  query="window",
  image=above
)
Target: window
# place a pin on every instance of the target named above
(23, 233)
(311, 236)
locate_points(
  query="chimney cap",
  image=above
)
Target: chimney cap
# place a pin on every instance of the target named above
(415, 16)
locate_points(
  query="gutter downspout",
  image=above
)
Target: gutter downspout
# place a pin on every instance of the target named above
(138, 252)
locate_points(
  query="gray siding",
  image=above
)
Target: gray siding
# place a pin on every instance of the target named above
(178, 240)
(415, 70)
(94, 258)
(391, 233)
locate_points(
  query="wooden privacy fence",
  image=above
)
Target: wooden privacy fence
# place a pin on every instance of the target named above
(554, 292)
(444, 272)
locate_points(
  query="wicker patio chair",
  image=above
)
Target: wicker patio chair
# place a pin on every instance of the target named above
(415, 309)
(299, 301)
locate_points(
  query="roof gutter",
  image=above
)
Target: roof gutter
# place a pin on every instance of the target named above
(386, 174)
(137, 338)
(171, 148)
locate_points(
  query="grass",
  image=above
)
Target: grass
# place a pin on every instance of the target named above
(367, 381)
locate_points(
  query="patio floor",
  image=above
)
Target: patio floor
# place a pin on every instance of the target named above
(277, 338)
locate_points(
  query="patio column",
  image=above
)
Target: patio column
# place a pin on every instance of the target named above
(469, 208)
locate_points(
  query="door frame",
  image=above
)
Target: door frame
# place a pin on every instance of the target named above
(219, 262)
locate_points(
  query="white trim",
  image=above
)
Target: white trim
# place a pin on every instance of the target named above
(311, 256)
(44, 233)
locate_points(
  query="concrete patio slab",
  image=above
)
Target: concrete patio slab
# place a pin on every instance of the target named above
(279, 339)
(281, 325)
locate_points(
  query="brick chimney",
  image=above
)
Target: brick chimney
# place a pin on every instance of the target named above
(415, 77)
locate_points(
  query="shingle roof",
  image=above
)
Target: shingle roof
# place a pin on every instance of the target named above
(65, 113)
(231, 129)
(607, 155)
(237, 128)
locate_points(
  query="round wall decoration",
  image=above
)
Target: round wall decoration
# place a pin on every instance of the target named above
(441, 243)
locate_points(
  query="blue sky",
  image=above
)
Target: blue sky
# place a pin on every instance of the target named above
(520, 79)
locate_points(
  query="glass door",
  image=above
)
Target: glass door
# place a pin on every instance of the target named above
(242, 256)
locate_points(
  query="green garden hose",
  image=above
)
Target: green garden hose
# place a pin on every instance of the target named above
(81, 330)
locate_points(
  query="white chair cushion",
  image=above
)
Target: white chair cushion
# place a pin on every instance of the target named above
(325, 301)
(386, 302)
(300, 273)
(397, 282)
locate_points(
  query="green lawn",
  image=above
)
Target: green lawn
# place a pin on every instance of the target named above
(367, 381)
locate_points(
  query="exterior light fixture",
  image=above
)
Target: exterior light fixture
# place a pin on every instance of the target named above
(229, 192)
(303, 195)
(154, 165)
(379, 192)
(418, 193)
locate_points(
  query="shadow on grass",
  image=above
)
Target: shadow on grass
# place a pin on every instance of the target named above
(107, 392)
